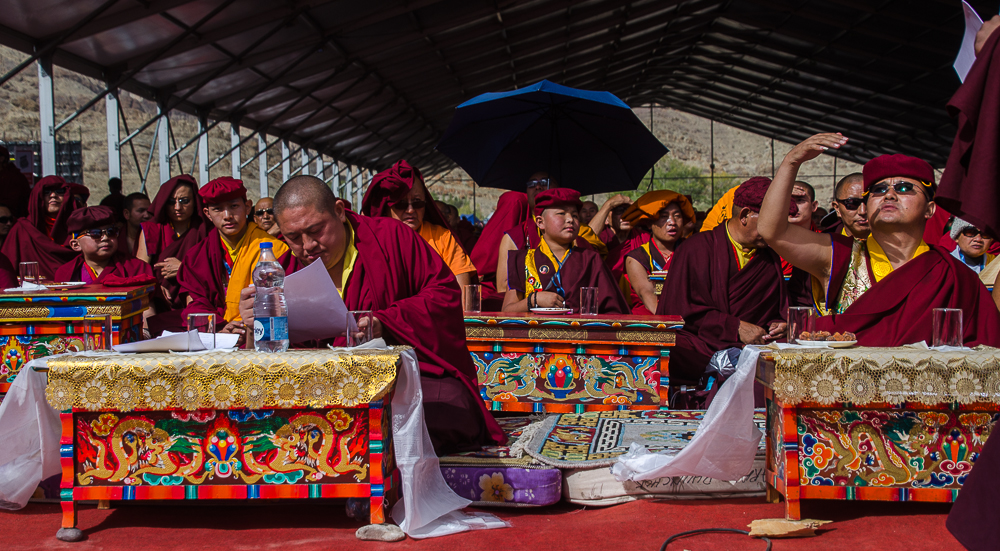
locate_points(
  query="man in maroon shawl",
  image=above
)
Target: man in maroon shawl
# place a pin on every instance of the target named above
(727, 285)
(414, 297)
(551, 274)
(883, 289)
(94, 235)
(14, 189)
(42, 236)
(511, 211)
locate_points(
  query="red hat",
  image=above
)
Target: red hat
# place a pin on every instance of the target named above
(552, 198)
(888, 166)
(751, 193)
(89, 218)
(222, 189)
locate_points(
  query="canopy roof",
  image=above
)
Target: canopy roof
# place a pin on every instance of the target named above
(369, 82)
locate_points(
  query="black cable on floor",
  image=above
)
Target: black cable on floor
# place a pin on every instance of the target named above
(674, 537)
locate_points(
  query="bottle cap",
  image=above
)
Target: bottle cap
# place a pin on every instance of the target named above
(265, 245)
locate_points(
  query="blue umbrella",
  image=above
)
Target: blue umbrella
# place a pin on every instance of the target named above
(589, 141)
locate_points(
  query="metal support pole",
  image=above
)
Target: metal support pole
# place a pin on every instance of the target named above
(234, 141)
(772, 157)
(203, 151)
(320, 167)
(47, 116)
(349, 183)
(262, 165)
(305, 162)
(114, 150)
(163, 145)
(286, 162)
(359, 190)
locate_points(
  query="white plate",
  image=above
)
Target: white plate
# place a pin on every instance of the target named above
(827, 344)
(65, 285)
(552, 310)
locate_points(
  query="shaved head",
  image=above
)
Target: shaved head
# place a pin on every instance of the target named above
(853, 178)
(301, 191)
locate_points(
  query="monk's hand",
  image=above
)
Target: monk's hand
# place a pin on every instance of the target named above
(247, 297)
(548, 299)
(751, 334)
(776, 330)
(618, 200)
(168, 266)
(813, 146)
(985, 31)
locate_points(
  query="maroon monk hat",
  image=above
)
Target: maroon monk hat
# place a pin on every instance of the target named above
(751, 193)
(898, 166)
(222, 189)
(89, 218)
(551, 198)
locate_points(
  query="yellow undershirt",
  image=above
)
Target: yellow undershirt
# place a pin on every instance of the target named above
(880, 264)
(350, 256)
(742, 255)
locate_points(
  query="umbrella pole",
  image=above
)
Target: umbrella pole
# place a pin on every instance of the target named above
(475, 216)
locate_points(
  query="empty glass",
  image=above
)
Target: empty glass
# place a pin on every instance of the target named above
(359, 327)
(472, 296)
(588, 301)
(800, 320)
(202, 323)
(947, 327)
(28, 272)
(97, 332)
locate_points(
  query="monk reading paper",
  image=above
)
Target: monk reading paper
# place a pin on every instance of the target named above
(883, 289)
(727, 285)
(381, 265)
(214, 271)
(42, 236)
(551, 275)
(665, 212)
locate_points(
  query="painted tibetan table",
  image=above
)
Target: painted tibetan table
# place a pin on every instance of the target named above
(881, 424)
(33, 325)
(571, 364)
(226, 425)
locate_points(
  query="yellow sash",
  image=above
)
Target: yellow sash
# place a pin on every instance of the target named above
(533, 280)
(244, 260)
(594, 240)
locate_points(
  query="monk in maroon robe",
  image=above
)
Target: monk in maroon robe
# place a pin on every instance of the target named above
(512, 211)
(95, 235)
(8, 274)
(883, 289)
(42, 236)
(14, 189)
(551, 274)
(411, 292)
(727, 285)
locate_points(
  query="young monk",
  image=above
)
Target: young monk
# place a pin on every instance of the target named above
(551, 275)
(135, 210)
(885, 288)
(42, 236)
(94, 236)
(379, 264)
(399, 193)
(214, 271)
(665, 212)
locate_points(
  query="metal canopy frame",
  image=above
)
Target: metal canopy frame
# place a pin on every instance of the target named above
(366, 83)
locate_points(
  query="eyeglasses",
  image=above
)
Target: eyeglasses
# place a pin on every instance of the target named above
(180, 200)
(97, 233)
(405, 205)
(262, 212)
(536, 183)
(902, 188)
(6, 219)
(851, 203)
(60, 192)
(973, 231)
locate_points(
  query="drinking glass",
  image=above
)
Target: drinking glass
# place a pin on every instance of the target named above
(29, 272)
(588, 301)
(97, 332)
(947, 328)
(800, 319)
(359, 327)
(202, 323)
(472, 296)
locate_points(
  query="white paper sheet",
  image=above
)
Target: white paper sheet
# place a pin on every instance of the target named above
(222, 340)
(182, 342)
(26, 287)
(967, 53)
(315, 309)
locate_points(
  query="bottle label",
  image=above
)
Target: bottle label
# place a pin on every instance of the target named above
(270, 329)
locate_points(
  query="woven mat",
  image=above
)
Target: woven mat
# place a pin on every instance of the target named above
(596, 439)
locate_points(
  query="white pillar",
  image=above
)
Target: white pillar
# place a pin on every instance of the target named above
(262, 165)
(47, 116)
(359, 189)
(163, 147)
(234, 155)
(320, 169)
(286, 162)
(114, 153)
(305, 162)
(203, 159)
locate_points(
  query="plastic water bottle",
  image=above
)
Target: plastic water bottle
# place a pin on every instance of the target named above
(270, 323)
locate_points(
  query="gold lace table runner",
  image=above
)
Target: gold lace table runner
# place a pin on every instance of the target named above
(894, 375)
(221, 380)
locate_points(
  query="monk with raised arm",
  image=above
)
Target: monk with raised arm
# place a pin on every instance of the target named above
(380, 264)
(883, 289)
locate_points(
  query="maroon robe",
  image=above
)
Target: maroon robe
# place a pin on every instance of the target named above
(582, 268)
(618, 250)
(973, 517)
(32, 240)
(511, 211)
(203, 277)
(121, 267)
(15, 192)
(123, 247)
(650, 264)
(412, 292)
(898, 310)
(163, 243)
(713, 294)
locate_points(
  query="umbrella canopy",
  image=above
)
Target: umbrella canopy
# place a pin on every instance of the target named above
(589, 141)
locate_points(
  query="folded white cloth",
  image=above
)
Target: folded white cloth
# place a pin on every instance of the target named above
(26, 286)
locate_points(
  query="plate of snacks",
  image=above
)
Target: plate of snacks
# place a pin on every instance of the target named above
(824, 339)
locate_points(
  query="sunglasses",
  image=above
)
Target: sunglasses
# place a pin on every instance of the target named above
(536, 183)
(60, 192)
(97, 233)
(902, 188)
(404, 205)
(6, 219)
(180, 200)
(973, 231)
(851, 203)
(262, 212)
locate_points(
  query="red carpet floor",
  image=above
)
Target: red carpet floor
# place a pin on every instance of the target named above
(637, 526)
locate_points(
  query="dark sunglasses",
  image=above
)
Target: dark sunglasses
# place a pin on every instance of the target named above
(181, 200)
(902, 188)
(262, 212)
(404, 205)
(96, 233)
(536, 183)
(6, 219)
(851, 203)
(60, 192)
(971, 231)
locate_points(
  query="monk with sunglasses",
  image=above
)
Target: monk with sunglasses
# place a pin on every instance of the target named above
(885, 288)
(849, 205)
